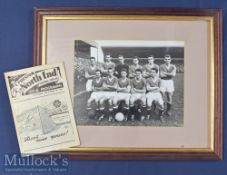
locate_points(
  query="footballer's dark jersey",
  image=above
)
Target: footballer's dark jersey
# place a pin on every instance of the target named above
(132, 69)
(148, 67)
(97, 83)
(123, 83)
(138, 84)
(164, 68)
(92, 69)
(109, 65)
(110, 82)
(154, 82)
(119, 67)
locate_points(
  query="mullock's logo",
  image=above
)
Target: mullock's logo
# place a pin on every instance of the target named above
(41, 163)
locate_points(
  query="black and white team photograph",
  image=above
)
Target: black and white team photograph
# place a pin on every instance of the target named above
(129, 83)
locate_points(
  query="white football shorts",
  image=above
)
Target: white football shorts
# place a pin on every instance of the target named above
(167, 86)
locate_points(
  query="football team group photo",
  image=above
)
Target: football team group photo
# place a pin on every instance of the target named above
(129, 83)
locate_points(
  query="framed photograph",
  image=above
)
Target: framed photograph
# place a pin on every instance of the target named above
(145, 83)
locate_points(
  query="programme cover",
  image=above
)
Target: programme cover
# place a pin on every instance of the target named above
(42, 109)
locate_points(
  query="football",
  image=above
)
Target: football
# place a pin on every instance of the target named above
(119, 116)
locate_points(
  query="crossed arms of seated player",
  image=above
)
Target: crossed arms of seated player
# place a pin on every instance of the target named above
(110, 87)
(95, 89)
(152, 88)
(134, 90)
(124, 89)
(104, 87)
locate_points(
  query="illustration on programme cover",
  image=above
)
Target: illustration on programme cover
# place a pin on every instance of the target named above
(42, 109)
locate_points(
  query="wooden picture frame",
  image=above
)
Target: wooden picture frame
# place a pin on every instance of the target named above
(213, 18)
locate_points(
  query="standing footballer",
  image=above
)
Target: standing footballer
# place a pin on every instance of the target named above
(148, 67)
(135, 65)
(121, 66)
(167, 73)
(107, 65)
(90, 73)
